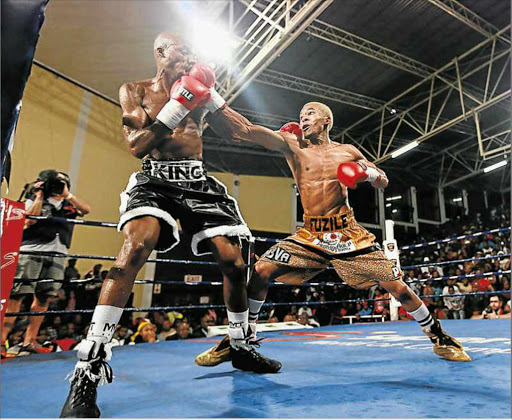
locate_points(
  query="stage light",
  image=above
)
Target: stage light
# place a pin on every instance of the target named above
(396, 197)
(394, 211)
(213, 43)
(388, 204)
(455, 200)
(495, 166)
(404, 149)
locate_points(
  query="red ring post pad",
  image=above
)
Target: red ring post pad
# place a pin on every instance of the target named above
(13, 220)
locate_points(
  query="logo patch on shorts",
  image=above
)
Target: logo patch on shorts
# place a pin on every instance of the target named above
(395, 271)
(391, 247)
(278, 254)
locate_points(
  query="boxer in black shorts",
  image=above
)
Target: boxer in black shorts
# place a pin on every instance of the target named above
(163, 124)
(182, 189)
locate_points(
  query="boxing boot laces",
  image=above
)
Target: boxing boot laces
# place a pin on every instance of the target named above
(85, 379)
(246, 358)
(444, 345)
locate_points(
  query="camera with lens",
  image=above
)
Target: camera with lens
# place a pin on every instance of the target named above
(53, 183)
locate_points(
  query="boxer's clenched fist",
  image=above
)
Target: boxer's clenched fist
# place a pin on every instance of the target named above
(352, 173)
(187, 93)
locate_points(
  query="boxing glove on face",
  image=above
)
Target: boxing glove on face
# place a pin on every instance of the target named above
(186, 94)
(205, 74)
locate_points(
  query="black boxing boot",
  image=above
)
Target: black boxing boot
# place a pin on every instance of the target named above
(90, 373)
(245, 357)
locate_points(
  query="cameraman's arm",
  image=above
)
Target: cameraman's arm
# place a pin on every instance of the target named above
(82, 207)
(36, 206)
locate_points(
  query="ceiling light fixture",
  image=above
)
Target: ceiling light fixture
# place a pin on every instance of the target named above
(395, 197)
(495, 166)
(404, 149)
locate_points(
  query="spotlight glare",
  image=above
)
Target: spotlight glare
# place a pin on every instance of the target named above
(394, 211)
(455, 200)
(212, 42)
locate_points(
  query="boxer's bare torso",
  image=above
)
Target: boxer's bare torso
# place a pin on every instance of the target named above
(315, 170)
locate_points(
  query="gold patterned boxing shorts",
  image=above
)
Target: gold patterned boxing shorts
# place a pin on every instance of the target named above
(332, 241)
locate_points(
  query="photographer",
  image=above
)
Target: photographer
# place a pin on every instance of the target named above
(494, 310)
(49, 196)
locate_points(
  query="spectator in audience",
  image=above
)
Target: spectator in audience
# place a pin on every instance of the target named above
(306, 309)
(322, 313)
(487, 245)
(493, 310)
(71, 273)
(202, 329)
(146, 333)
(381, 306)
(183, 329)
(304, 319)
(464, 285)
(290, 318)
(122, 335)
(167, 331)
(454, 304)
(503, 263)
(362, 309)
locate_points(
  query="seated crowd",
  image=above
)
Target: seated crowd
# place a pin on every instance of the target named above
(64, 332)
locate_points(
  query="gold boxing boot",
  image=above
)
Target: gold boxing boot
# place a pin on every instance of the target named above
(216, 355)
(444, 345)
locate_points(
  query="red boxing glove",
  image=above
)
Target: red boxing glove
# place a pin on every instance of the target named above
(186, 94)
(190, 92)
(204, 74)
(294, 128)
(352, 173)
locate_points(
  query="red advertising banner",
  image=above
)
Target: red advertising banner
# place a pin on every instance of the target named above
(13, 220)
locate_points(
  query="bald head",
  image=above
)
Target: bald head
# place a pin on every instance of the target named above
(164, 40)
(323, 110)
(173, 55)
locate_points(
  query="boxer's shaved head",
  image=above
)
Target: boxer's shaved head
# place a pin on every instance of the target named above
(322, 109)
(165, 40)
(173, 54)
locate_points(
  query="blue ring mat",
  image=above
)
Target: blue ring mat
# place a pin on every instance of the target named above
(374, 370)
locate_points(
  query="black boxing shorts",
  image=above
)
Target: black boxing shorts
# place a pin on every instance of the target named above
(182, 189)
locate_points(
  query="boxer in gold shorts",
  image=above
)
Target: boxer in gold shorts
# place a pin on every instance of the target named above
(323, 171)
(332, 241)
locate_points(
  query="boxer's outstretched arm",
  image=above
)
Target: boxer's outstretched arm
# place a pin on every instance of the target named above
(230, 124)
(140, 137)
(382, 182)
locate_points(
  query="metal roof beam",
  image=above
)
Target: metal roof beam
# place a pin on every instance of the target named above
(470, 18)
(384, 115)
(293, 27)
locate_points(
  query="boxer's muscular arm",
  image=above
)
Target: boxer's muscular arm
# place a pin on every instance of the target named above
(230, 124)
(140, 137)
(382, 182)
